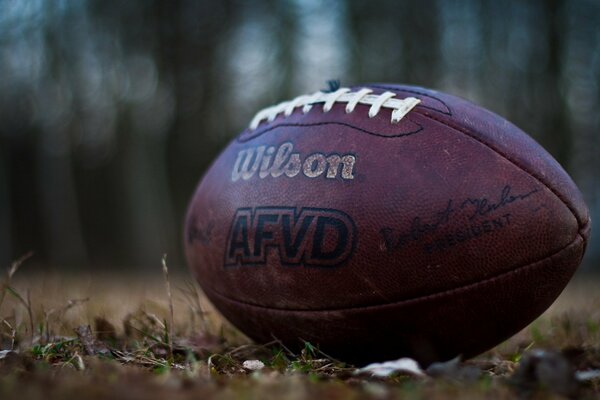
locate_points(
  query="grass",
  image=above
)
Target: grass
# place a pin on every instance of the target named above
(121, 337)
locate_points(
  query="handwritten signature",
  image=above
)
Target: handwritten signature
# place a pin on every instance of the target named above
(481, 206)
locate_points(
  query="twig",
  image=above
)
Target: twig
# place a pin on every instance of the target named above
(171, 318)
(279, 342)
(324, 354)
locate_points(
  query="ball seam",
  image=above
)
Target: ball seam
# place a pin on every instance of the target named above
(517, 270)
(581, 224)
(274, 126)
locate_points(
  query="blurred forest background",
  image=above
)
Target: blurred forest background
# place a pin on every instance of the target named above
(111, 111)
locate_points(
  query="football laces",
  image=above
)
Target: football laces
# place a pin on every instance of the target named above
(399, 107)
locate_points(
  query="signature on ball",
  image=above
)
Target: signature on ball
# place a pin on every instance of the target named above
(425, 229)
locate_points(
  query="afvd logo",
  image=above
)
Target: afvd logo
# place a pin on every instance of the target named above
(308, 237)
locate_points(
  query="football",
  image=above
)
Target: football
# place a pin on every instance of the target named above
(383, 221)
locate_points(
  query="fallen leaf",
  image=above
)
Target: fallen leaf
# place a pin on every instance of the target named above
(253, 365)
(84, 333)
(91, 346)
(587, 375)
(401, 366)
(5, 353)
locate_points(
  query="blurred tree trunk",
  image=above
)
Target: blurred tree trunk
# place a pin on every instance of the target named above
(560, 144)
(420, 19)
(63, 236)
(188, 52)
(5, 208)
(286, 52)
(61, 224)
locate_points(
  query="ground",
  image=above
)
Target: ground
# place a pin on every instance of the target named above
(119, 337)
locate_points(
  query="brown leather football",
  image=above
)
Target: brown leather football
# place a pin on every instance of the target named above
(384, 221)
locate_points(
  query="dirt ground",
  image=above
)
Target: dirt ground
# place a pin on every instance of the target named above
(111, 336)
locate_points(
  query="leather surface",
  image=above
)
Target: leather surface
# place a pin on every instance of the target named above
(442, 234)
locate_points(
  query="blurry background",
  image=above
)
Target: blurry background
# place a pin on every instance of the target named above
(111, 111)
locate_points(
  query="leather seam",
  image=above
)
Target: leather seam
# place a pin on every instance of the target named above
(580, 224)
(420, 93)
(517, 270)
(323, 123)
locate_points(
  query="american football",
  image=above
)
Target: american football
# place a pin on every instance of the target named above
(382, 221)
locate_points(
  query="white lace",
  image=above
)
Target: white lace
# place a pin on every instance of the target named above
(399, 107)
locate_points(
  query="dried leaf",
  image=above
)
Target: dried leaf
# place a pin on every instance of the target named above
(78, 362)
(253, 365)
(5, 353)
(91, 346)
(406, 366)
(587, 375)
(84, 333)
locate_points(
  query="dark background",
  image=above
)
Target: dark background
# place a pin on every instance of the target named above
(111, 110)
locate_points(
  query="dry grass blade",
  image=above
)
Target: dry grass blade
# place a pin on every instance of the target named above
(59, 312)
(145, 325)
(26, 302)
(141, 358)
(13, 333)
(16, 264)
(319, 351)
(10, 273)
(280, 343)
(193, 297)
(169, 328)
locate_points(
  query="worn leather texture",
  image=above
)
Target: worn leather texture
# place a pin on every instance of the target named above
(440, 235)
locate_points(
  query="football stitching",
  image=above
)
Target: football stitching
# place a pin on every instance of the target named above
(580, 224)
(517, 270)
(364, 96)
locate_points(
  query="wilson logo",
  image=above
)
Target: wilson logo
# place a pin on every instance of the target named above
(311, 237)
(274, 162)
